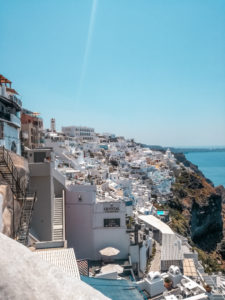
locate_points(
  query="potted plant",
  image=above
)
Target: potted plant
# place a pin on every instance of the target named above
(208, 288)
(168, 283)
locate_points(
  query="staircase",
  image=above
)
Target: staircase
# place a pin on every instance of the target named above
(9, 172)
(11, 176)
(58, 220)
(25, 219)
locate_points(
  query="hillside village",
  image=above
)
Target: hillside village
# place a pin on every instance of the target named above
(104, 209)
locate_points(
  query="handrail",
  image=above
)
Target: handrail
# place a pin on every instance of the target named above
(33, 201)
(63, 211)
(34, 198)
(15, 100)
(13, 170)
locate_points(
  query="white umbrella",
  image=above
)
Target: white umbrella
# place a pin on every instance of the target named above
(109, 251)
(112, 268)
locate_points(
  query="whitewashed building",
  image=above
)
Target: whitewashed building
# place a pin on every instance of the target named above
(153, 284)
(80, 132)
(93, 224)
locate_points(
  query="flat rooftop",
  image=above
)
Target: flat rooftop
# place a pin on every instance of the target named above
(189, 267)
(156, 223)
(63, 258)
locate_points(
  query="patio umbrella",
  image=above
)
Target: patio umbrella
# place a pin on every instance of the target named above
(109, 251)
(112, 268)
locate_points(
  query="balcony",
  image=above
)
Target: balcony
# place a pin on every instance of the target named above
(5, 115)
(11, 99)
(10, 117)
(16, 100)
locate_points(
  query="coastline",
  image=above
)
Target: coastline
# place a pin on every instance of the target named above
(210, 164)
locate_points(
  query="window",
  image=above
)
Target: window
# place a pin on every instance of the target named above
(111, 222)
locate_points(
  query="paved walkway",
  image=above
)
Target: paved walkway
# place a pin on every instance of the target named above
(156, 262)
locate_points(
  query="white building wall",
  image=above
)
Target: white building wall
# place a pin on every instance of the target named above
(110, 236)
(134, 253)
(154, 287)
(79, 213)
(85, 230)
(11, 134)
(144, 254)
(79, 233)
(41, 180)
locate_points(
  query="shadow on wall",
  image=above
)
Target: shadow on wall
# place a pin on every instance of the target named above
(6, 215)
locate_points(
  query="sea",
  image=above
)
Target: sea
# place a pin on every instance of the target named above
(212, 165)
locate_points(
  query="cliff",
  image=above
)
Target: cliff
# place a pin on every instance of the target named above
(201, 205)
(180, 157)
(197, 212)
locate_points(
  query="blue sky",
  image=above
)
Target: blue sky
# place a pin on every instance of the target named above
(149, 69)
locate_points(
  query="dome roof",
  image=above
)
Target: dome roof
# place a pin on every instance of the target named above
(154, 275)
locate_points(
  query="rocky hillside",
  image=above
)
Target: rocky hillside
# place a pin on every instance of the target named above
(201, 206)
(182, 158)
(197, 211)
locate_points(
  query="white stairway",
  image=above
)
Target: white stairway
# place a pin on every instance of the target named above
(57, 230)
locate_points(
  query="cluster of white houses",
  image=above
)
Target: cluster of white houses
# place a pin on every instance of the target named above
(98, 191)
(98, 212)
(88, 223)
(91, 218)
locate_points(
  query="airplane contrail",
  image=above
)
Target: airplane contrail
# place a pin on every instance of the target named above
(87, 48)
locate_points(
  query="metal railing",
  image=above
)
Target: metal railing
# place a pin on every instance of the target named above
(25, 219)
(8, 160)
(15, 99)
(64, 217)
